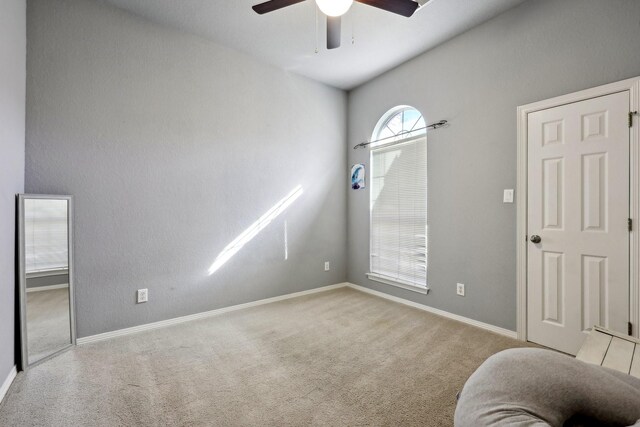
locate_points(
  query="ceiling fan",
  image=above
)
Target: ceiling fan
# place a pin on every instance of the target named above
(334, 9)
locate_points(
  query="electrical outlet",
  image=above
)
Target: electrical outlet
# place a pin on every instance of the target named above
(326, 266)
(507, 197)
(143, 295)
(460, 289)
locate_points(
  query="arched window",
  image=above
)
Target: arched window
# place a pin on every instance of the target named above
(399, 123)
(398, 200)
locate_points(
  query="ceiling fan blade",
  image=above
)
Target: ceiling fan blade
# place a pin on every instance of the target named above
(270, 6)
(333, 31)
(401, 7)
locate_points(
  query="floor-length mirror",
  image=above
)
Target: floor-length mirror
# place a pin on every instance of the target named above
(46, 275)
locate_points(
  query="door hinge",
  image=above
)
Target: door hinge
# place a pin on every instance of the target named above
(629, 329)
(630, 224)
(631, 114)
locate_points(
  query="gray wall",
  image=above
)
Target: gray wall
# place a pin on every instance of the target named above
(172, 146)
(538, 50)
(13, 42)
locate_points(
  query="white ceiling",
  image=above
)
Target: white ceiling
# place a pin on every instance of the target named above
(287, 37)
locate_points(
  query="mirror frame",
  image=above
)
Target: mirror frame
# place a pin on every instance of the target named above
(22, 279)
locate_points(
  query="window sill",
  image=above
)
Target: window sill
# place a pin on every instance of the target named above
(403, 285)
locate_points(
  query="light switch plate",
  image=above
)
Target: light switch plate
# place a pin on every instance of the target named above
(508, 196)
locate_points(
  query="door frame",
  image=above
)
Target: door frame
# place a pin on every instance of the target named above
(633, 87)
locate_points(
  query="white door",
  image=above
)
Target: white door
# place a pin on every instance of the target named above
(578, 206)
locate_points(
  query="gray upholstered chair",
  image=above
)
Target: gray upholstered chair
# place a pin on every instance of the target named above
(535, 387)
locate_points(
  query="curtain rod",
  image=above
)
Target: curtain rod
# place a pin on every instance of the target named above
(436, 125)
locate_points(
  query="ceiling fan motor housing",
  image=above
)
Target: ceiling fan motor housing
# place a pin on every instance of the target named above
(334, 9)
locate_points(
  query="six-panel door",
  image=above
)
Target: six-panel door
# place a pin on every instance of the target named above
(578, 203)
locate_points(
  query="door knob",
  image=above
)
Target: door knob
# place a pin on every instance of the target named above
(535, 239)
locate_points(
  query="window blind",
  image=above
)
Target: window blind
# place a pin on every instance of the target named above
(399, 212)
(45, 235)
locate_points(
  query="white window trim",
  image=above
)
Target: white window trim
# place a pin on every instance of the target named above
(398, 283)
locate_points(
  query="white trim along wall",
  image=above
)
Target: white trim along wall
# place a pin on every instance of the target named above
(7, 383)
(472, 322)
(633, 86)
(177, 320)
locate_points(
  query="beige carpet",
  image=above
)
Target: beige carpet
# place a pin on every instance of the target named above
(340, 358)
(48, 325)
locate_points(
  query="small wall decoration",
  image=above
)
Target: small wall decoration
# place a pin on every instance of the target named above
(357, 177)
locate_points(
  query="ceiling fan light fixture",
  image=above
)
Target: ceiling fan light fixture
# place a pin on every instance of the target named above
(334, 7)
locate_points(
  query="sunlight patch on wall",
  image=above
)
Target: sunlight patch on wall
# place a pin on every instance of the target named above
(252, 231)
(286, 242)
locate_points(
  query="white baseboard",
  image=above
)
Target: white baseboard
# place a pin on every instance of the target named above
(47, 288)
(7, 383)
(177, 320)
(482, 325)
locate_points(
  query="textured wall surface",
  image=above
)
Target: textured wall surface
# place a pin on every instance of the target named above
(172, 146)
(538, 50)
(13, 41)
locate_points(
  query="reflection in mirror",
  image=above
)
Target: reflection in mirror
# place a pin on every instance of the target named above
(46, 295)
